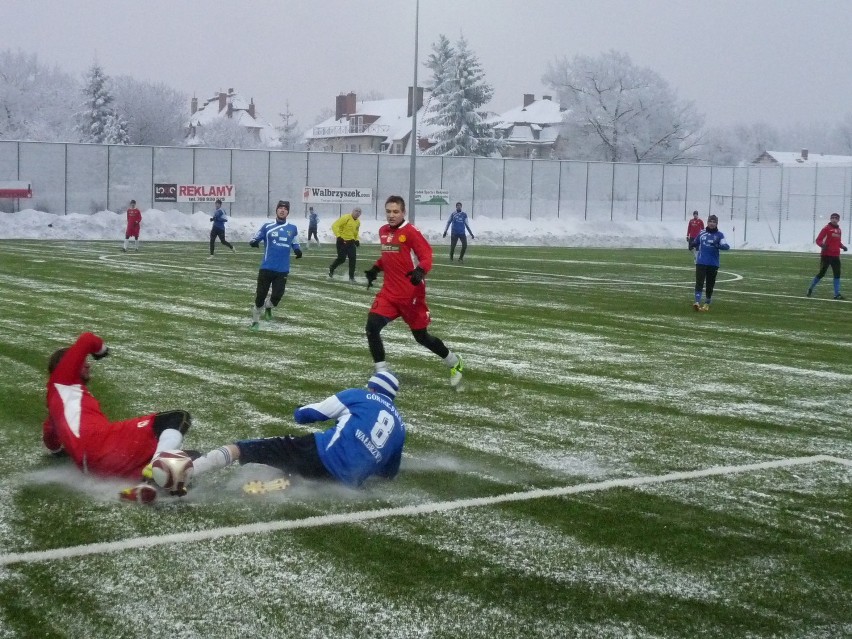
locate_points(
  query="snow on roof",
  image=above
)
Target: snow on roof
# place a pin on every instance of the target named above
(392, 121)
(794, 158)
(542, 112)
(209, 112)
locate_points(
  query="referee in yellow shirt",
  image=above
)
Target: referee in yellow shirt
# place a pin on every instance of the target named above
(345, 229)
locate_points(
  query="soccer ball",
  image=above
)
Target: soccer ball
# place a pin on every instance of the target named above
(172, 470)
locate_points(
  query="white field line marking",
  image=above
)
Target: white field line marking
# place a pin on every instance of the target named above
(402, 511)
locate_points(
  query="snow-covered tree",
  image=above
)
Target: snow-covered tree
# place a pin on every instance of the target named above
(288, 132)
(461, 125)
(620, 112)
(98, 107)
(156, 114)
(438, 62)
(739, 144)
(36, 102)
(115, 129)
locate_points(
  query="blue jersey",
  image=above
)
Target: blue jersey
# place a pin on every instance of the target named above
(708, 244)
(458, 219)
(219, 219)
(278, 239)
(313, 220)
(367, 439)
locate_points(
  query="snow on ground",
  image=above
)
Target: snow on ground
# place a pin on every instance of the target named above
(157, 225)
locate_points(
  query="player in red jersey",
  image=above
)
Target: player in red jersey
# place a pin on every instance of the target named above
(75, 424)
(830, 242)
(406, 259)
(693, 230)
(134, 221)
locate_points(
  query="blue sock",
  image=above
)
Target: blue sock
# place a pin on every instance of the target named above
(707, 301)
(836, 286)
(814, 283)
(698, 297)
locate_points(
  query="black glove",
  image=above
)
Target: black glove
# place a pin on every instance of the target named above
(445, 234)
(298, 253)
(211, 219)
(254, 243)
(101, 355)
(416, 276)
(371, 275)
(357, 242)
(471, 236)
(845, 248)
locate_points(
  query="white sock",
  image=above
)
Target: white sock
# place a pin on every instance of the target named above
(170, 439)
(213, 460)
(381, 366)
(451, 360)
(255, 313)
(125, 244)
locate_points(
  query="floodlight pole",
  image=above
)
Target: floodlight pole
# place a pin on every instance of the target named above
(412, 171)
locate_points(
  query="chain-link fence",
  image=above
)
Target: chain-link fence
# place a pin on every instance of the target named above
(85, 178)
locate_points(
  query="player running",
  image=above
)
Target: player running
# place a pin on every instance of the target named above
(405, 260)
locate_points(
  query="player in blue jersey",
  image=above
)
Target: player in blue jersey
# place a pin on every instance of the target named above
(279, 237)
(366, 439)
(313, 224)
(709, 242)
(458, 220)
(218, 229)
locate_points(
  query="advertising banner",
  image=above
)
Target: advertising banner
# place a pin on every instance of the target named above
(431, 196)
(337, 195)
(16, 189)
(164, 192)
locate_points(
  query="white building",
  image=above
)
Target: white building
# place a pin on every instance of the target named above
(804, 158)
(531, 130)
(233, 106)
(372, 126)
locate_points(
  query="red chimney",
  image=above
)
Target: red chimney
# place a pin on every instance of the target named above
(251, 108)
(350, 103)
(804, 154)
(193, 106)
(339, 106)
(223, 101)
(529, 98)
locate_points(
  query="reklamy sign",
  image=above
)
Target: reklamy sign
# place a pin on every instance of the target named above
(194, 192)
(431, 196)
(336, 195)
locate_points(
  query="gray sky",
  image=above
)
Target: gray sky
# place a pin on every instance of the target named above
(777, 61)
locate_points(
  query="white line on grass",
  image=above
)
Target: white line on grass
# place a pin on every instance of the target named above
(403, 511)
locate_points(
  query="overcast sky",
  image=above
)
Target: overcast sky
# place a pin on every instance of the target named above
(777, 61)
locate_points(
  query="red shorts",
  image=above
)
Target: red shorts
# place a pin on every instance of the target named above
(134, 233)
(412, 310)
(120, 449)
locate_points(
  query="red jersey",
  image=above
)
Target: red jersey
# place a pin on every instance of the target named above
(403, 248)
(829, 240)
(134, 219)
(76, 423)
(694, 228)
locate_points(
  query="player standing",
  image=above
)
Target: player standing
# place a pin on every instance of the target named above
(134, 221)
(709, 242)
(693, 228)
